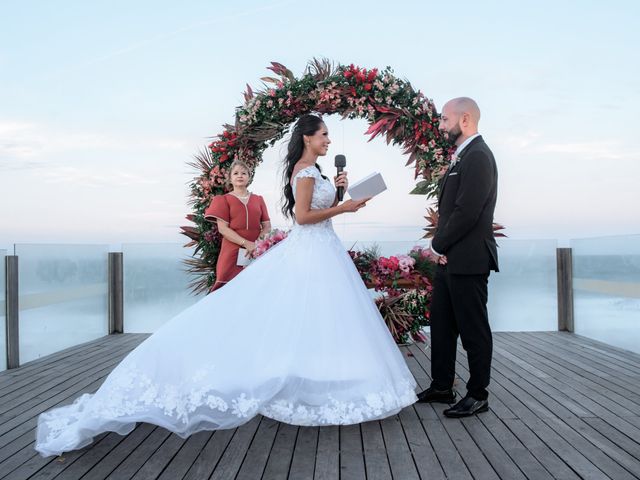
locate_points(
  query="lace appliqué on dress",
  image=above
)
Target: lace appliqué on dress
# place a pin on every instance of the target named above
(134, 392)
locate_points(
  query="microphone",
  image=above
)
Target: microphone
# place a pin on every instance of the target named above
(340, 163)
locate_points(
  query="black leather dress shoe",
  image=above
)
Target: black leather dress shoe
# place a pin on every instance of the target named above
(466, 407)
(431, 395)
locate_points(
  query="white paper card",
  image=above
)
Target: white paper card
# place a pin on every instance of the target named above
(243, 261)
(369, 186)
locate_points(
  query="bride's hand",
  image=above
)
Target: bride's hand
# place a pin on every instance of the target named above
(354, 205)
(341, 181)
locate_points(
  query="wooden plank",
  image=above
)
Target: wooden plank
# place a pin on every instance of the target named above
(495, 454)
(471, 455)
(423, 452)
(256, 459)
(327, 454)
(304, 453)
(375, 453)
(624, 384)
(40, 365)
(351, 453)
(591, 386)
(156, 463)
(234, 455)
(186, 456)
(595, 455)
(602, 362)
(138, 457)
(452, 463)
(115, 457)
(552, 460)
(89, 459)
(46, 468)
(210, 455)
(16, 421)
(523, 390)
(561, 429)
(628, 461)
(592, 347)
(631, 445)
(279, 460)
(586, 359)
(398, 451)
(517, 451)
(54, 383)
(25, 426)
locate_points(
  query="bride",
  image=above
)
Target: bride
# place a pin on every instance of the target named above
(294, 337)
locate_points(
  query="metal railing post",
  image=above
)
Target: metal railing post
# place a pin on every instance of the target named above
(116, 293)
(565, 289)
(12, 311)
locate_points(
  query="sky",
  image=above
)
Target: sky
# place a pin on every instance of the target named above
(103, 104)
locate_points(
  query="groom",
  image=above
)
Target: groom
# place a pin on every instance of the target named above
(466, 249)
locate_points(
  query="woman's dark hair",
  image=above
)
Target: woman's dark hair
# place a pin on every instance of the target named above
(306, 125)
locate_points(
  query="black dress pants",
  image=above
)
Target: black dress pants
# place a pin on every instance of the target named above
(459, 308)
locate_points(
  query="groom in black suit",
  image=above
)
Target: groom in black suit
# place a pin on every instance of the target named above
(465, 245)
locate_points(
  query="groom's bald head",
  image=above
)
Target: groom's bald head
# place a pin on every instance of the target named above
(462, 105)
(459, 119)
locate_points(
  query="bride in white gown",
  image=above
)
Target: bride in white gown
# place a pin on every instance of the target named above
(294, 337)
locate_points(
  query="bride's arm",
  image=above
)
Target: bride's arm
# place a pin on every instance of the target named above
(306, 215)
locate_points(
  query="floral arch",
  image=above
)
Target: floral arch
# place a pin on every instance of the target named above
(394, 111)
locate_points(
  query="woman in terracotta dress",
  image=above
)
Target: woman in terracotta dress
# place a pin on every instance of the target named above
(242, 217)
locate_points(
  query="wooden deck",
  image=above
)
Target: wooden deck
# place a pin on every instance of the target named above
(562, 406)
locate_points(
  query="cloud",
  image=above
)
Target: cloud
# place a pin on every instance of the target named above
(164, 36)
(87, 178)
(534, 143)
(23, 140)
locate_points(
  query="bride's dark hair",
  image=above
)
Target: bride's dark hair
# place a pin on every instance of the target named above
(306, 125)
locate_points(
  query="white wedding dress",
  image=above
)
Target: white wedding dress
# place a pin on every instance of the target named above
(294, 337)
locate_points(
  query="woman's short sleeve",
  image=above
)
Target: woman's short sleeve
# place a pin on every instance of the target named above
(308, 172)
(218, 209)
(264, 214)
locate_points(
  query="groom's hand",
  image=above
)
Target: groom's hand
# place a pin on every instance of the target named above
(438, 258)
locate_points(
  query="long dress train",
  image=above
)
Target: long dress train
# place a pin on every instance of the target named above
(294, 337)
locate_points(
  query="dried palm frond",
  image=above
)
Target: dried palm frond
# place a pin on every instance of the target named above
(203, 161)
(432, 222)
(200, 270)
(321, 69)
(496, 230)
(398, 321)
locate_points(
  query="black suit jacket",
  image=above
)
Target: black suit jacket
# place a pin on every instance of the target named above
(466, 203)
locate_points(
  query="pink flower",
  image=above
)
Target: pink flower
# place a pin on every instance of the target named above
(405, 263)
(275, 236)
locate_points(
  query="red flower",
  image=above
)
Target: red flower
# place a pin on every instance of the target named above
(368, 86)
(224, 158)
